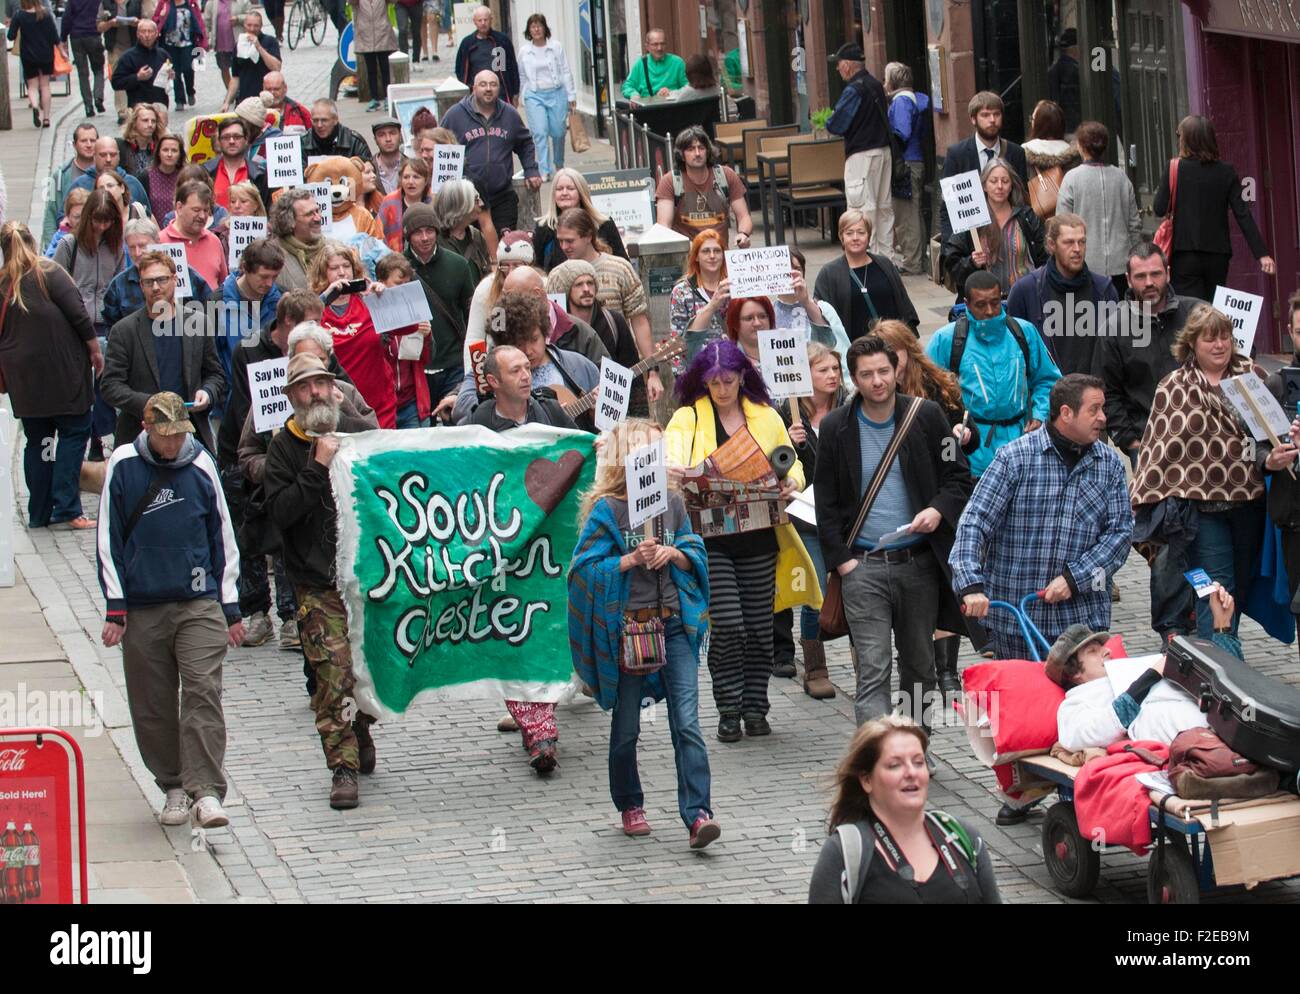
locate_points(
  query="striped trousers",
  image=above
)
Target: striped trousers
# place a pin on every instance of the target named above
(740, 631)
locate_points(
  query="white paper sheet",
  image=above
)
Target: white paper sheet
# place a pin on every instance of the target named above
(398, 307)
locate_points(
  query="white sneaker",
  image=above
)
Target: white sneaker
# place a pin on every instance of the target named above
(208, 813)
(258, 630)
(176, 809)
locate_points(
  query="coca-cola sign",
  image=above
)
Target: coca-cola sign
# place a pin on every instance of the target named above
(11, 760)
(36, 850)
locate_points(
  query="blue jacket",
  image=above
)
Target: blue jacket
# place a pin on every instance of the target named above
(995, 385)
(124, 295)
(1030, 521)
(859, 116)
(138, 194)
(907, 120)
(233, 329)
(183, 546)
(490, 146)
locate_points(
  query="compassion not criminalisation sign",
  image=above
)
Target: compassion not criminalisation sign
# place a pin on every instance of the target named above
(453, 550)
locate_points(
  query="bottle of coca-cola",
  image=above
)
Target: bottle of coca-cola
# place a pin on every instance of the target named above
(13, 875)
(31, 863)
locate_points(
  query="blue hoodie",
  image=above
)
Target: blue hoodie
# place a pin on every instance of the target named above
(491, 145)
(907, 120)
(183, 537)
(995, 385)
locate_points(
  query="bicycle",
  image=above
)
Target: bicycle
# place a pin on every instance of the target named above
(306, 17)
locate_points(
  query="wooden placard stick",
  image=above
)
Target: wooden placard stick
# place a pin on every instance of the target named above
(1272, 435)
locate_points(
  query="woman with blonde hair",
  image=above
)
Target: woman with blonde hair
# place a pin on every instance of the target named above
(698, 301)
(465, 225)
(48, 356)
(882, 845)
(140, 135)
(357, 346)
(570, 190)
(655, 577)
(245, 200)
(860, 285)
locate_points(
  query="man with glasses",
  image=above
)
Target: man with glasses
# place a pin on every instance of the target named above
(203, 249)
(295, 225)
(233, 164)
(657, 73)
(149, 352)
(700, 193)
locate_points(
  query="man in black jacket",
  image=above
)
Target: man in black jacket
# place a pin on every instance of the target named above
(136, 72)
(895, 567)
(328, 137)
(862, 116)
(300, 503)
(157, 349)
(979, 149)
(513, 402)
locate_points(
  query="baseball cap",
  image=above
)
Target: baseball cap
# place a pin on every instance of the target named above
(167, 413)
(849, 52)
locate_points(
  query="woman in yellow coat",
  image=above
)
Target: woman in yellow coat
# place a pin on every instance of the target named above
(754, 573)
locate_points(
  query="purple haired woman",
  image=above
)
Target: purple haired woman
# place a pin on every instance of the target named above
(751, 574)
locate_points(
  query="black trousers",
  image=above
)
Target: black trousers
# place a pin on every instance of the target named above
(1196, 274)
(1291, 556)
(377, 73)
(504, 208)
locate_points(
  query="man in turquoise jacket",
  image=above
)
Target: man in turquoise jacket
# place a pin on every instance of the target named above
(1005, 378)
(657, 73)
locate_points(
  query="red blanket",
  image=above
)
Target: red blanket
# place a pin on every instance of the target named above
(1110, 805)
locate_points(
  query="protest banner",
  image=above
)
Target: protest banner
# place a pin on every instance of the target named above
(184, 287)
(1258, 408)
(759, 272)
(243, 232)
(325, 201)
(448, 164)
(963, 195)
(647, 483)
(1243, 310)
(453, 545)
(271, 408)
(284, 161)
(783, 358)
(625, 196)
(615, 392)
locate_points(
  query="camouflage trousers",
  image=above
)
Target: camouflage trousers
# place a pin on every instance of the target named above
(323, 628)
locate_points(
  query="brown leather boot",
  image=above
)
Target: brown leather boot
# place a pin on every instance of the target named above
(343, 792)
(365, 744)
(816, 681)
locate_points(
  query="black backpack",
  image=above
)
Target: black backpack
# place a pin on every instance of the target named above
(961, 331)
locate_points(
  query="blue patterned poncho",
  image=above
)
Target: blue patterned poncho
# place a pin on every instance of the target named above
(598, 591)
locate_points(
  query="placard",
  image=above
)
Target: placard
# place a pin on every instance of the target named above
(271, 408)
(462, 15)
(615, 391)
(284, 161)
(783, 358)
(1258, 408)
(626, 196)
(325, 201)
(405, 110)
(184, 288)
(1243, 310)
(243, 232)
(759, 272)
(398, 306)
(448, 164)
(963, 195)
(647, 483)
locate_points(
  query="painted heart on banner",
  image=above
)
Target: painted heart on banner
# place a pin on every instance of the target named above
(548, 480)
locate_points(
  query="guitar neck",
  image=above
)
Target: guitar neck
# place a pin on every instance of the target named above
(588, 400)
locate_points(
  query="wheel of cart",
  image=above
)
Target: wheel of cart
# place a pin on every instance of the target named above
(1171, 872)
(1071, 859)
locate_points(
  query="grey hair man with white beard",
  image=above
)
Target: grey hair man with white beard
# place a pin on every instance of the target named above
(300, 503)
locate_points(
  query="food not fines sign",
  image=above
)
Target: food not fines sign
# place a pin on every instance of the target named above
(36, 821)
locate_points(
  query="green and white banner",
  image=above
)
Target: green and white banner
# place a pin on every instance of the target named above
(453, 550)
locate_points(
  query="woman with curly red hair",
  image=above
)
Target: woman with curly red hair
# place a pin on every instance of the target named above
(698, 302)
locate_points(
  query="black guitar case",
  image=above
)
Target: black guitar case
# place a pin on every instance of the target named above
(1254, 714)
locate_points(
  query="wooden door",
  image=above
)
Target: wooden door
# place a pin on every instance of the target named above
(1147, 42)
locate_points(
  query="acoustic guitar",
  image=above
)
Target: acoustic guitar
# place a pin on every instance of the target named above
(574, 406)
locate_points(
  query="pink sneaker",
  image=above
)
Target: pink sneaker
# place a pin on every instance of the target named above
(704, 831)
(634, 822)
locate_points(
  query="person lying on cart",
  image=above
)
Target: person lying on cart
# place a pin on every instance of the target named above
(1153, 708)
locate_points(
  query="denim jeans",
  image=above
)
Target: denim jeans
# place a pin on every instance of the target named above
(103, 417)
(408, 415)
(548, 117)
(682, 695)
(809, 628)
(54, 473)
(410, 29)
(899, 599)
(1227, 547)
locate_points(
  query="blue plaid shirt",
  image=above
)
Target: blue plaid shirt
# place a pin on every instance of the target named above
(1030, 521)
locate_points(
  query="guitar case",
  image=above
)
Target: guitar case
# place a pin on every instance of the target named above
(1254, 714)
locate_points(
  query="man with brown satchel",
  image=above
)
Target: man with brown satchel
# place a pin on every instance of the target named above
(891, 483)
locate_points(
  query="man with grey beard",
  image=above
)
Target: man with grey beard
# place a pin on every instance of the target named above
(300, 503)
